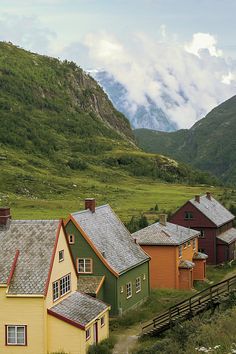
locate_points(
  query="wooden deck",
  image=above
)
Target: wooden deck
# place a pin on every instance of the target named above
(200, 302)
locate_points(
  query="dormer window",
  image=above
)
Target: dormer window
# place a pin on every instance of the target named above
(188, 215)
(61, 255)
(71, 239)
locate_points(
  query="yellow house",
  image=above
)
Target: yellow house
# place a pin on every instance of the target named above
(41, 310)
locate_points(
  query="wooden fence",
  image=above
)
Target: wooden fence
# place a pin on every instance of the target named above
(200, 302)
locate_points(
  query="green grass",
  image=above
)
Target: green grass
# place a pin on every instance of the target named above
(132, 196)
(214, 332)
(158, 301)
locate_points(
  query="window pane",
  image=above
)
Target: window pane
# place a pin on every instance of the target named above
(11, 335)
(20, 335)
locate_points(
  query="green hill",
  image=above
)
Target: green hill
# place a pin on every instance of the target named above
(61, 138)
(209, 145)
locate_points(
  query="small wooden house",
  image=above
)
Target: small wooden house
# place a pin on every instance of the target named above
(175, 260)
(214, 222)
(41, 309)
(110, 265)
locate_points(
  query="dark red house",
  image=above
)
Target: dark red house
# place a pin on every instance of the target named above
(215, 223)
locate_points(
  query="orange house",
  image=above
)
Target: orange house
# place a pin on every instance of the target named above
(175, 261)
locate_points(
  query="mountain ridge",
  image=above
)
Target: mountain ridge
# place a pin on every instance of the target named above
(58, 128)
(208, 145)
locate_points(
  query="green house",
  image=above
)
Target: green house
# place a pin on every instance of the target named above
(111, 266)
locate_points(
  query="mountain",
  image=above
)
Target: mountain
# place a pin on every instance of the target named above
(149, 116)
(209, 145)
(60, 133)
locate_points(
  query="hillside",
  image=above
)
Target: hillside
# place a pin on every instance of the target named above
(209, 145)
(61, 138)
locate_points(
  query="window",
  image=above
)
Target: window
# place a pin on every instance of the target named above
(128, 290)
(180, 251)
(189, 243)
(16, 335)
(65, 285)
(138, 284)
(194, 243)
(55, 290)
(121, 289)
(61, 255)
(84, 265)
(103, 321)
(71, 239)
(202, 234)
(188, 215)
(88, 333)
(61, 287)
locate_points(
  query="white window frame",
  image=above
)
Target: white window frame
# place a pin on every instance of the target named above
(129, 290)
(84, 265)
(71, 239)
(88, 333)
(102, 321)
(16, 339)
(63, 286)
(61, 256)
(188, 215)
(138, 284)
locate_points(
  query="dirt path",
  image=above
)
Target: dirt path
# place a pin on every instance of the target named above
(126, 340)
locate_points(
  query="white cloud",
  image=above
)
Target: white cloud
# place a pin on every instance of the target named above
(203, 41)
(27, 32)
(186, 82)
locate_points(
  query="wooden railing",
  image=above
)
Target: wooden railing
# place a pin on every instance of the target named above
(201, 301)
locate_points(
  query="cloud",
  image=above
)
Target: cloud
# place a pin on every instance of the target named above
(27, 32)
(202, 41)
(185, 80)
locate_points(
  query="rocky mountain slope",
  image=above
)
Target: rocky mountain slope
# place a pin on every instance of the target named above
(57, 124)
(143, 116)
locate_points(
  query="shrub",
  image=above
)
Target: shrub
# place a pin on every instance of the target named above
(104, 347)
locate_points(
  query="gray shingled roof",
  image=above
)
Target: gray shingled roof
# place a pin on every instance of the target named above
(111, 238)
(35, 241)
(228, 236)
(199, 255)
(89, 284)
(79, 308)
(213, 210)
(170, 234)
(185, 264)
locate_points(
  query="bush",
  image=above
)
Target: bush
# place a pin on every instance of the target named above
(77, 164)
(104, 347)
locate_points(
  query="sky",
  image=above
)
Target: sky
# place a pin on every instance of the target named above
(184, 50)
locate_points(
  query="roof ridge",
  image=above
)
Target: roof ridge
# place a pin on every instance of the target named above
(87, 210)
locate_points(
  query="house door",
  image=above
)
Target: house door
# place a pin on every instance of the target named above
(95, 333)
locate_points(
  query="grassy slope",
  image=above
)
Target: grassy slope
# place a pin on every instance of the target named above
(61, 140)
(209, 145)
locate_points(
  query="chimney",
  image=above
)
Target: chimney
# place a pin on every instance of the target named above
(162, 219)
(5, 215)
(90, 203)
(208, 194)
(197, 198)
(135, 240)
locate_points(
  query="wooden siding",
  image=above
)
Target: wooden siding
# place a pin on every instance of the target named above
(23, 311)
